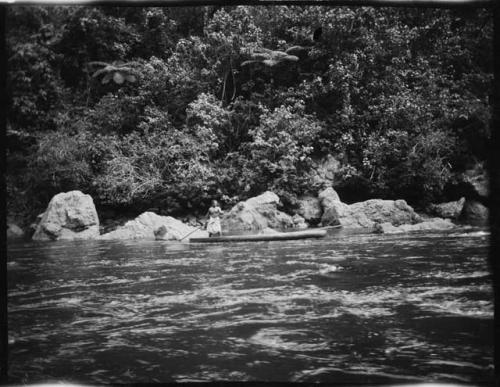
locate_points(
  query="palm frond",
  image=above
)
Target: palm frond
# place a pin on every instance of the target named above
(297, 49)
(100, 72)
(247, 62)
(96, 63)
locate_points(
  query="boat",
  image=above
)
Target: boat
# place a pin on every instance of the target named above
(278, 236)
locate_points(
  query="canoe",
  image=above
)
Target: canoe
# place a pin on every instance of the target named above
(280, 236)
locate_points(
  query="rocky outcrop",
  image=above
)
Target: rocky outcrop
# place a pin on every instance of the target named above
(310, 209)
(151, 226)
(474, 213)
(450, 210)
(369, 212)
(434, 224)
(364, 214)
(14, 232)
(256, 213)
(330, 202)
(69, 215)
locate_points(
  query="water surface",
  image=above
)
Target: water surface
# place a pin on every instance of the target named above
(348, 308)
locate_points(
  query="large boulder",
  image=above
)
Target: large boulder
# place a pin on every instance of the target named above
(450, 210)
(256, 213)
(151, 226)
(328, 197)
(474, 213)
(69, 215)
(434, 224)
(14, 231)
(369, 212)
(364, 214)
(264, 200)
(310, 209)
(330, 203)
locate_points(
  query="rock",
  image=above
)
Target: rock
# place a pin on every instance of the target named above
(299, 222)
(366, 214)
(330, 217)
(14, 232)
(256, 213)
(267, 198)
(330, 202)
(434, 224)
(69, 215)
(450, 210)
(310, 209)
(474, 213)
(151, 226)
(328, 196)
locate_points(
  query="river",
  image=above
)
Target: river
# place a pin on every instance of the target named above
(351, 308)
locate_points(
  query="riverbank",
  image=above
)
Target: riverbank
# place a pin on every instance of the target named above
(73, 215)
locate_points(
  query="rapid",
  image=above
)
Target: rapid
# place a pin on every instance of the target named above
(350, 308)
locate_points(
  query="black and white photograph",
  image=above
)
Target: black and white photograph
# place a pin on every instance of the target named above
(249, 193)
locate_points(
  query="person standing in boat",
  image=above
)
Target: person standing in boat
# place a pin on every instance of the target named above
(213, 225)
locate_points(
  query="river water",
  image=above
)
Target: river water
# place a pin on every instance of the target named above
(351, 308)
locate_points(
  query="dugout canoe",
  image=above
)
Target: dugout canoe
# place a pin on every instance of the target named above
(280, 236)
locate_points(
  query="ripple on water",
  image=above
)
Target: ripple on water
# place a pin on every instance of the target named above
(295, 340)
(459, 275)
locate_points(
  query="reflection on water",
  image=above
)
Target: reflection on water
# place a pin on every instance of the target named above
(351, 307)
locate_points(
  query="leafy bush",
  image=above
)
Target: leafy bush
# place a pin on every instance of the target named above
(58, 164)
(414, 167)
(280, 150)
(158, 165)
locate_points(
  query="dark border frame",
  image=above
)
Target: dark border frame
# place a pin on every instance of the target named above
(493, 159)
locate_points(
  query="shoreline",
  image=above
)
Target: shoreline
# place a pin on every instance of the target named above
(73, 215)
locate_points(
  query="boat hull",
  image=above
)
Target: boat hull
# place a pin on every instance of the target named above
(263, 237)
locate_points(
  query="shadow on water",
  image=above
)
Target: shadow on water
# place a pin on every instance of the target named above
(351, 307)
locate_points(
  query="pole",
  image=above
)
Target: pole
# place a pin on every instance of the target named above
(196, 229)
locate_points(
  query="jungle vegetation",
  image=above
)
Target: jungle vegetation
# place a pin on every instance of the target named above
(171, 107)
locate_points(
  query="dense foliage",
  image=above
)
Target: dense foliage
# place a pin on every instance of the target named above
(170, 107)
